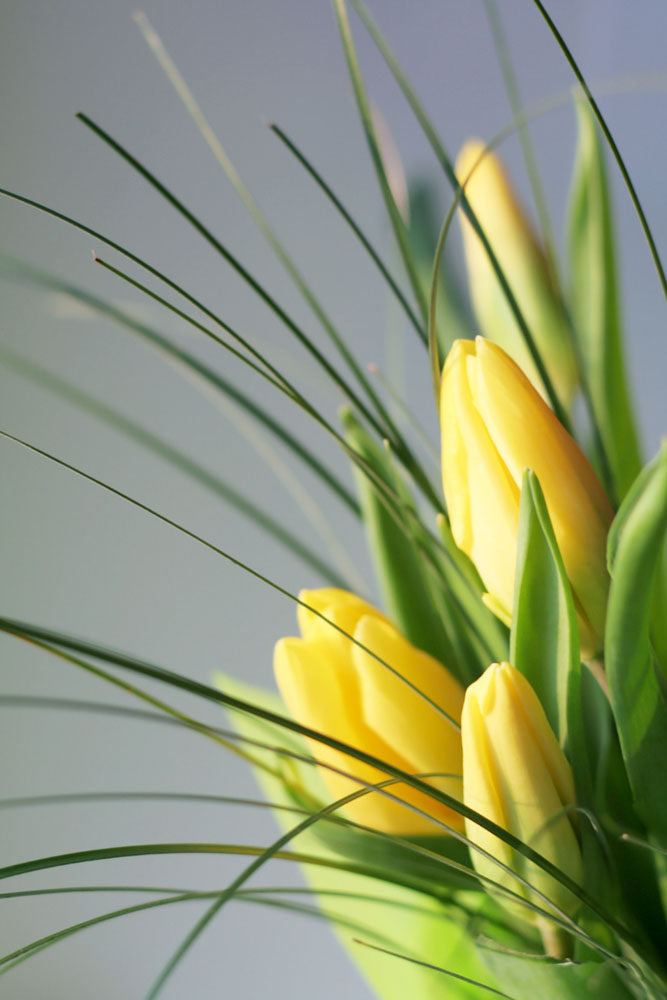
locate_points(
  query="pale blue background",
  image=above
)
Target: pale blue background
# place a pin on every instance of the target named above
(82, 561)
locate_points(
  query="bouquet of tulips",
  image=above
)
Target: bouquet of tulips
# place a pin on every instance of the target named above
(472, 778)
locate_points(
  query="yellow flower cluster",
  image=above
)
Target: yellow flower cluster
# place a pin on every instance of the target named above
(351, 675)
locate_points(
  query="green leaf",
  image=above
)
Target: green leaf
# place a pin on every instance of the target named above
(416, 924)
(544, 646)
(637, 701)
(544, 640)
(526, 978)
(398, 566)
(595, 306)
(658, 616)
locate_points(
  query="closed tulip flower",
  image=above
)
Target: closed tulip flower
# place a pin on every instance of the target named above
(333, 686)
(515, 773)
(494, 425)
(515, 245)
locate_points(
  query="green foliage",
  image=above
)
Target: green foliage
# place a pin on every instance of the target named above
(530, 977)
(544, 641)
(635, 549)
(595, 306)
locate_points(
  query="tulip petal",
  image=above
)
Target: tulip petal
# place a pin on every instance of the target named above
(511, 236)
(409, 723)
(331, 602)
(515, 774)
(320, 689)
(527, 435)
(482, 498)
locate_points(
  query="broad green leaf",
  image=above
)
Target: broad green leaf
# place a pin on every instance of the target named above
(416, 924)
(658, 616)
(528, 978)
(595, 306)
(635, 885)
(399, 568)
(637, 700)
(544, 640)
(544, 646)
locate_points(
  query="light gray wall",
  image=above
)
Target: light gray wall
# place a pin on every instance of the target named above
(85, 562)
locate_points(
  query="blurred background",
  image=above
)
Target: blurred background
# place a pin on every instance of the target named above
(85, 562)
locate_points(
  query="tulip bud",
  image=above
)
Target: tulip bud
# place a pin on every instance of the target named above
(494, 425)
(524, 265)
(515, 773)
(333, 686)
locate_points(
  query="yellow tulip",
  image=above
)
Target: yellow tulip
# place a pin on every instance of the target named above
(494, 425)
(515, 245)
(333, 686)
(515, 773)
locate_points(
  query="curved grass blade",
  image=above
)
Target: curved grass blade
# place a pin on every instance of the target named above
(408, 845)
(189, 361)
(414, 467)
(182, 718)
(397, 224)
(254, 866)
(12, 959)
(258, 897)
(73, 889)
(511, 86)
(203, 376)
(262, 891)
(405, 411)
(233, 560)
(301, 496)
(246, 874)
(73, 798)
(178, 459)
(349, 219)
(180, 86)
(641, 215)
(448, 167)
(435, 968)
(266, 297)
